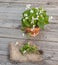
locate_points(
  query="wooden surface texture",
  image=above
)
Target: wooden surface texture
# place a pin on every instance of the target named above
(10, 16)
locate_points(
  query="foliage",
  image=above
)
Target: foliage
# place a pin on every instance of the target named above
(28, 48)
(34, 16)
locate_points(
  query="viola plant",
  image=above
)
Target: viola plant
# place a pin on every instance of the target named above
(29, 48)
(34, 19)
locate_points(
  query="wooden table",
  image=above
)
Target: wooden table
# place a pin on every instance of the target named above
(10, 16)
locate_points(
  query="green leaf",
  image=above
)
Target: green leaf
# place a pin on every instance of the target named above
(44, 13)
(41, 25)
(28, 48)
(25, 23)
(46, 19)
(43, 18)
(26, 12)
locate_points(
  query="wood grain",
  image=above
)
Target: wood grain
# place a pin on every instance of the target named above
(45, 45)
(11, 14)
(10, 20)
(5, 61)
(14, 33)
(29, 1)
(10, 17)
(50, 48)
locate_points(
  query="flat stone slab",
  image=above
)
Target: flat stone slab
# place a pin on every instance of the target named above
(16, 56)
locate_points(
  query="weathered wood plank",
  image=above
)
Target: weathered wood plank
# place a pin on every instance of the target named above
(8, 23)
(50, 48)
(13, 23)
(18, 16)
(17, 33)
(29, 1)
(51, 27)
(5, 61)
(14, 14)
(17, 5)
(5, 41)
(4, 53)
(51, 62)
(45, 45)
(52, 55)
(10, 15)
(18, 20)
(55, 58)
(23, 5)
(19, 9)
(40, 63)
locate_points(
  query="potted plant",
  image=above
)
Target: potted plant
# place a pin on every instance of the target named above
(25, 52)
(33, 20)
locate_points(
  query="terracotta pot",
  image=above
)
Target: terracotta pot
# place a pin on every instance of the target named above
(33, 32)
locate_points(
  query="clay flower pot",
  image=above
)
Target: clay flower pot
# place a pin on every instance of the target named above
(33, 32)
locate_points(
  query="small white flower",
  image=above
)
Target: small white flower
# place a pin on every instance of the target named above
(40, 11)
(37, 13)
(24, 51)
(16, 43)
(23, 19)
(28, 42)
(37, 8)
(37, 16)
(23, 34)
(31, 11)
(25, 15)
(33, 18)
(32, 22)
(33, 26)
(28, 6)
(41, 15)
(50, 17)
